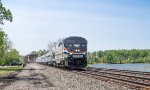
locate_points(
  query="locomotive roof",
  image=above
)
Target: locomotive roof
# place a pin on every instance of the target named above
(74, 38)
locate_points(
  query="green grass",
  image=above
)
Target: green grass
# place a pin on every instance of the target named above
(3, 73)
(8, 70)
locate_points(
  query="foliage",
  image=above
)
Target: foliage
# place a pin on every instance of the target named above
(11, 55)
(5, 14)
(40, 52)
(3, 44)
(7, 54)
(14, 68)
(8, 70)
(120, 56)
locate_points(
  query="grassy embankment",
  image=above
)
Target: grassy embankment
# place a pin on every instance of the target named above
(4, 71)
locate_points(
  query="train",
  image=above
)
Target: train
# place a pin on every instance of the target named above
(70, 52)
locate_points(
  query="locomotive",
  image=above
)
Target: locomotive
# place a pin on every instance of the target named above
(70, 52)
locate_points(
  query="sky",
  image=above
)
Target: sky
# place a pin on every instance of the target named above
(106, 24)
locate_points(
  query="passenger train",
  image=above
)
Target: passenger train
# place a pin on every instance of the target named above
(71, 52)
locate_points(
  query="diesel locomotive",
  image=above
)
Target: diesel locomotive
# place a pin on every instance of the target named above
(70, 52)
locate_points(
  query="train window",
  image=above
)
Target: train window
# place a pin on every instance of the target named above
(70, 45)
(71, 41)
(83, 45)
(76, 45)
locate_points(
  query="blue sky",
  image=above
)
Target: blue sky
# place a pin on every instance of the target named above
(106, 24)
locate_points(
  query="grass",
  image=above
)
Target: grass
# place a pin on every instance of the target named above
(4, 71)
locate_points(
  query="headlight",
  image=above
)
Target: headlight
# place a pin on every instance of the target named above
(78, 49)
(70, 53)
(84, 53)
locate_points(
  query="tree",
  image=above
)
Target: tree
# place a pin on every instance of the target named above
(5, 49)
(120, 56)
(3, 43)
(5, 14)
(11, 55)
(40, 52)
(50, 46)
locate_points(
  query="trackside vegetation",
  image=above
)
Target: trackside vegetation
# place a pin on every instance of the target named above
(119, 56)
(7, 53)
(8, 70)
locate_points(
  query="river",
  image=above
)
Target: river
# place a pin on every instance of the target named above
(134, 67)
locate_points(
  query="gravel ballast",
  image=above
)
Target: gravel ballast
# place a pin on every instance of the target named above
(40, 77)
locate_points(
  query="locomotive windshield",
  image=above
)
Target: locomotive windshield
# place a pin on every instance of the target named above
(76, 44)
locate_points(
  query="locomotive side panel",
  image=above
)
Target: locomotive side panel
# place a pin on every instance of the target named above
(59, 53)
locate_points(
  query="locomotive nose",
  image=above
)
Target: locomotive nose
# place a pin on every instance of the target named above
(77, 50)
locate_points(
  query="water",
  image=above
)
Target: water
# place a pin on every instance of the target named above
(133, 67)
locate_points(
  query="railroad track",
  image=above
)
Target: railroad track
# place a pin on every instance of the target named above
(124, 71)
(134, 79)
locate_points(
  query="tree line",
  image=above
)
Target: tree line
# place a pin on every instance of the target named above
(119, 56)
(109, 56)
(39, 52)
(7, 53)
